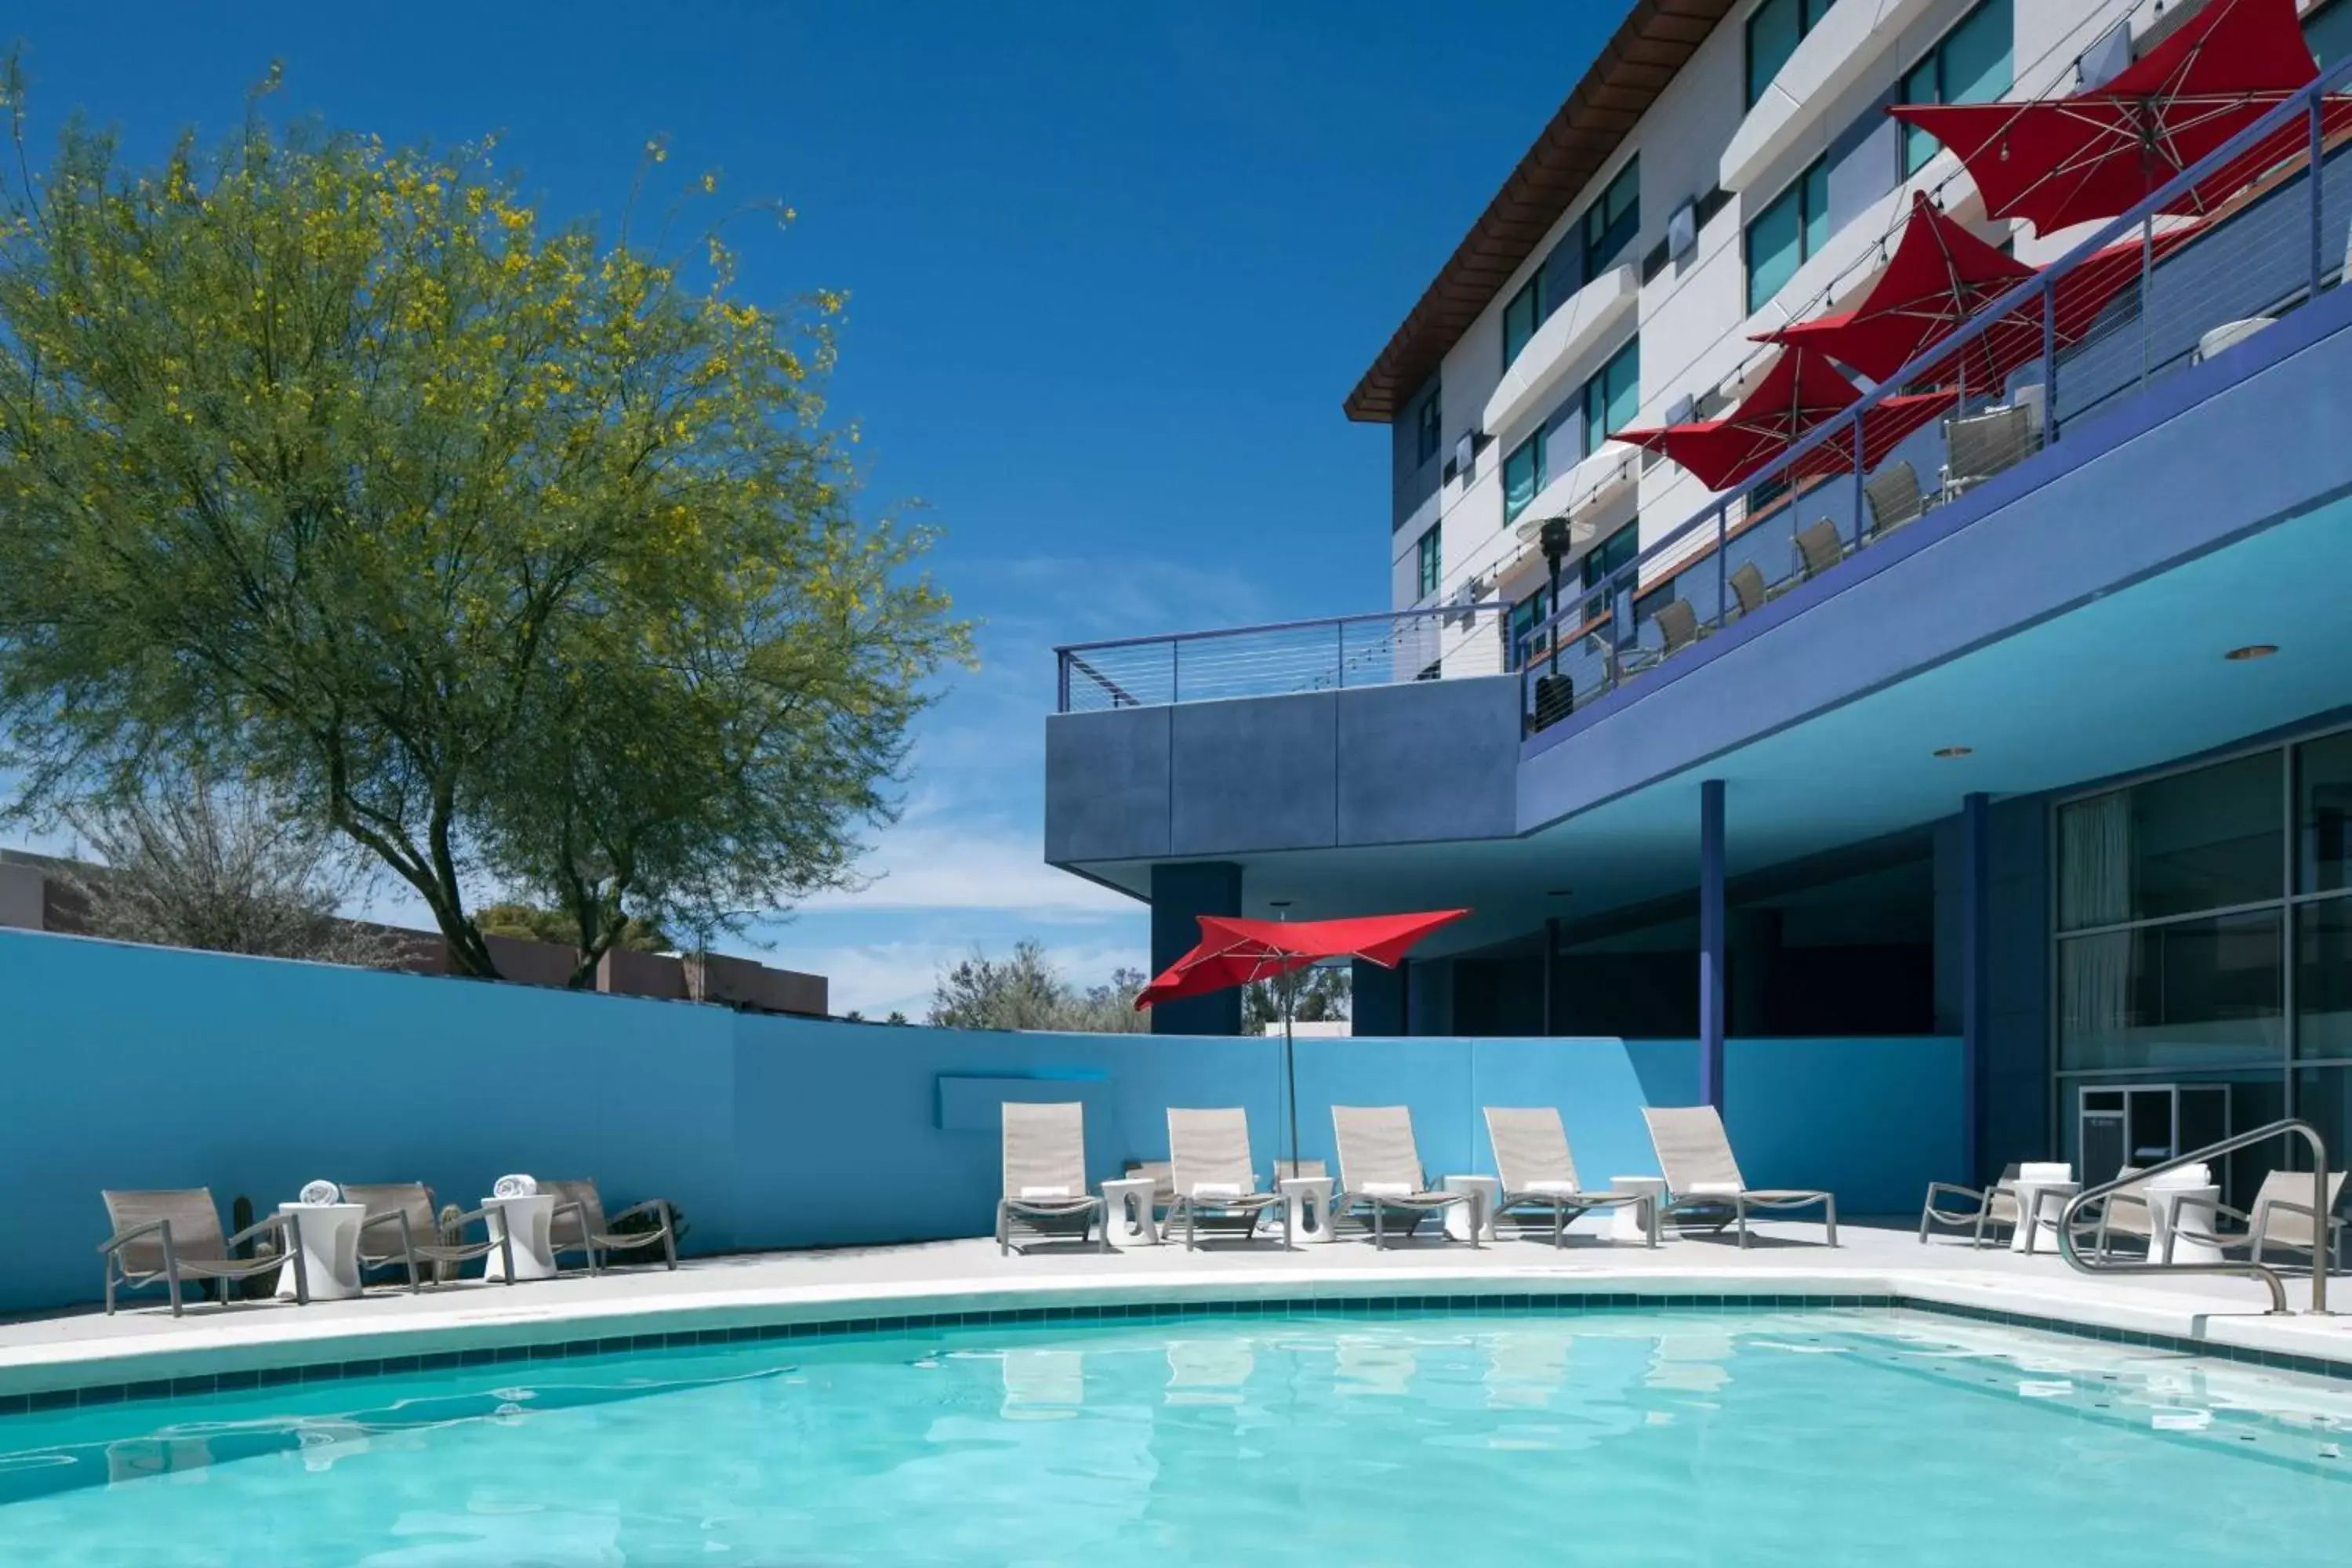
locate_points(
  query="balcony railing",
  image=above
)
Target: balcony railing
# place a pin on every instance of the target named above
(1284, 658)
(2269, 250)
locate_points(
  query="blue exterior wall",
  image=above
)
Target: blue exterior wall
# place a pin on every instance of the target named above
(132, 1066)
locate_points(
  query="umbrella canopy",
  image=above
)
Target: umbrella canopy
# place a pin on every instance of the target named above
(1234, 952)
(2102, 152)
(1796, 391)
(1939, 276)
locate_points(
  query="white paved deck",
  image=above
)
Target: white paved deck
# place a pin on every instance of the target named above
(145, 1342)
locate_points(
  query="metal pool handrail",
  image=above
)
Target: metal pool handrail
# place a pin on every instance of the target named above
(2254, 1267)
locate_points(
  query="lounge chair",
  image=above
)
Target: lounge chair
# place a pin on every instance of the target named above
(1208, 1151)
(174, 1234)
(400, 1230)
(1990, 1207)
(1695, 1158)
(2281, 1217)
(1747, 588)
(1380, 1171)
(1538, 1173)
(1981, 445)
(1817, 549)
(581, 1224)
(2121, 1215)
(1046, 1176)
(1678, 627)
(1894, 497)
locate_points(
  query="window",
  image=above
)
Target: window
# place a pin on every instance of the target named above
(1970, 65)
(1526, 616)
(1774, 31)
(2210, 838)
(1524, 476)
(1792, 229)
(1611, 553)
(1613, 396)
(1521, 317)
(1429, 564)
(1611, 223)
(1429, 426)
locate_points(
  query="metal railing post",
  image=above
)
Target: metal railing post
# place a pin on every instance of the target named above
(1859, 499)
(1339, 655)
(1722, 571)
(2318, 248)
(1175, 669)
(1062, 681)
(2048, 365)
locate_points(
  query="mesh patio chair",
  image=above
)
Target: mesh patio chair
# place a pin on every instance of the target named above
(400, 1230)
(1209, 1153)
(1702, 1177)
(1817, 548)
(1678, 627)
(580, 1224)
(1989, 1207)
(2121, 1215)
(170, 1234)
(1894, 497)
(1747, 588)
(1381, 1171)
(2281, 1217)
(1538, 1173)
(1979, 446)
(1046, 1177)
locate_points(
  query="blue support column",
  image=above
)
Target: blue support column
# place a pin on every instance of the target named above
(1976, 945)
(1179, 892)
(1711, 927)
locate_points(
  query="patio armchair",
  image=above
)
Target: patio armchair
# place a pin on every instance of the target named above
(400, 1230)
(581, 1224)
(2281, 1217)
(2122, 1215)
(1381, 1171)
(1678, 627)
(1748, 590)
(1990, 1206)
(1046, 1177)
(1978, 446)
(1538, 1173)
(1702, 1177)
(170, 1235)
(1817, 547)
(1894, 497)
(1209, 1154)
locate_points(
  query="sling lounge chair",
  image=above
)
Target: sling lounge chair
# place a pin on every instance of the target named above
(2122, 1215)
(2281, 1217)
(1748, 590)
(1538, 1173)
(399, 1230)
(1894, 497)
(581, 1224)
(1702, 1176)
(1992, 1206)
(1213, 1176)
(1046, 1177)
(174, 1234)
(1379, 1170)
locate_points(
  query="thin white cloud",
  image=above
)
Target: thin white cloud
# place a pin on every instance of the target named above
(930, 861)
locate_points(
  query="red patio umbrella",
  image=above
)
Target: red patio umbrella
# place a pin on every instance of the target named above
(2099, 153)
(1796, 391)
(1234, 952)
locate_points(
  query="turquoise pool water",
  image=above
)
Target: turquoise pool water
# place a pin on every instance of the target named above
(1823, 1437)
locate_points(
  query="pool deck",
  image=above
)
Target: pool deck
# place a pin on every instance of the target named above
(145, 1343)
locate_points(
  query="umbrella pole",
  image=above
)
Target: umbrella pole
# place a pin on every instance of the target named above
(1291, 1081)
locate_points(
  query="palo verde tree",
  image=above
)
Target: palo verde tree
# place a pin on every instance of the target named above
(515, 554)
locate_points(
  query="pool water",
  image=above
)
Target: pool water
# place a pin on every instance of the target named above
(1724, 1438)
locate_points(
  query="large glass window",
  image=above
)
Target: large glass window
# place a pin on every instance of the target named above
(1523, 476)
(1774, 31)
(1792, 227)
(2205, 839)
(1613, 396)
(1429, 426)
(1611, 553)
(2195, 992)
(2323, 816)
(1526, 616)
(1429, 561)
(2323, 979)
(1613, 219)
(1969, 65)
(1521, 317)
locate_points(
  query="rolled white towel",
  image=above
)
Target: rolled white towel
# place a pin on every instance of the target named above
(1553, 1189)
(1045, 1191)
(321, 1191)
(1216, 1189)
(1387, 1189)
(517, 1186)
(1712, 1189)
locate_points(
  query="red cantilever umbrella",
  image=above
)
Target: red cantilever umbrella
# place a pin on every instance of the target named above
(2100, 152)
(1234, 952)
(1796, 391)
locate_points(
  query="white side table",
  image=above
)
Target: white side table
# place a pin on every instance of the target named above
(529, 1223)
(2039, 1204)
(2168, 1207)
(1631, 1222)
(1310, 1201)
(330, 1250)
(1485, 1195)
(1127, 1211)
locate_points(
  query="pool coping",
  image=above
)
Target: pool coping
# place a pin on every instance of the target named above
(159, 1366)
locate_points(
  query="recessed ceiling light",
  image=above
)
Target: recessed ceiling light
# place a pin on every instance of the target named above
(1954, 750)
(2252, 650)
(1556, 892)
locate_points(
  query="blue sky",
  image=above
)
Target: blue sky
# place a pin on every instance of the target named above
(1112, 270)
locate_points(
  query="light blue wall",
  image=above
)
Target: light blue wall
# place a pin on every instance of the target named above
(129, 1067)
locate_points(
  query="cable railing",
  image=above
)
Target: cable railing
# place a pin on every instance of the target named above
(2269, 249)
(1443, 643)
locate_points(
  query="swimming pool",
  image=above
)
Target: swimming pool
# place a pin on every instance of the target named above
(1722, 1438)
